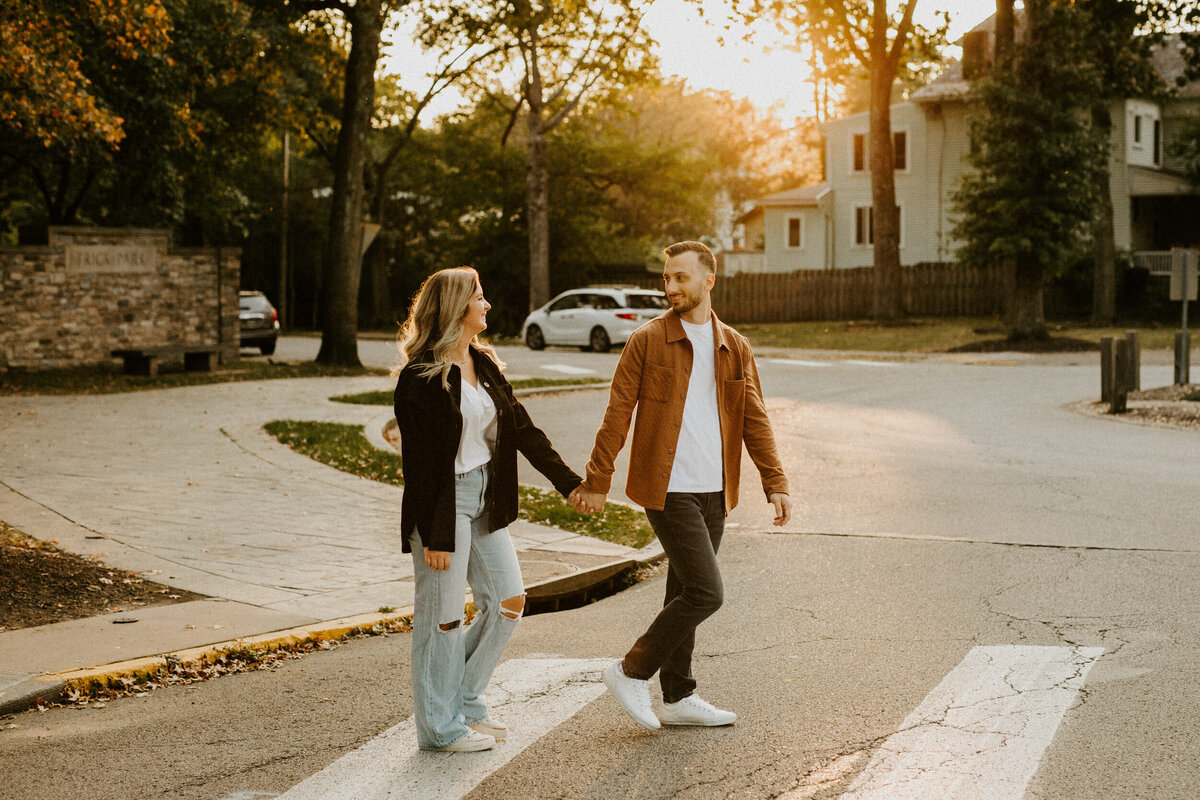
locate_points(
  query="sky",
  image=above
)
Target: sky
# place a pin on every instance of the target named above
(689, 46)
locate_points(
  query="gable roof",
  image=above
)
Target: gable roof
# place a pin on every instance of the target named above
(951, 84)
(800, 197)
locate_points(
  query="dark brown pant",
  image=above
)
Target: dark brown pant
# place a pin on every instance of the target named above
(689, 527)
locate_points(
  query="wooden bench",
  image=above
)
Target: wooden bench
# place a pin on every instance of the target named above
(145, 360)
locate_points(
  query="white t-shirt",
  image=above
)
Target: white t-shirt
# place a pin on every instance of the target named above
(478, 430)
(698, 466)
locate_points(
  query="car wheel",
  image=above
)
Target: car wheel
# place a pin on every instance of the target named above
(599, 341)
(267, 347)
(534, 338)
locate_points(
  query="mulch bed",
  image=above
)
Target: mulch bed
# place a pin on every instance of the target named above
(43, 584)
(1055, 344)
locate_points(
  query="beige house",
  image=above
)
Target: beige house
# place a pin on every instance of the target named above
(829, 225)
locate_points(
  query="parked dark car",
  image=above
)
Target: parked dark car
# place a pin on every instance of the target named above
(260, 321)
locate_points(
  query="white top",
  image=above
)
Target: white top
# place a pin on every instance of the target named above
(698, 466)
(478, 430)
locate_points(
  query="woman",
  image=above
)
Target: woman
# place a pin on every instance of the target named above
(460, 430)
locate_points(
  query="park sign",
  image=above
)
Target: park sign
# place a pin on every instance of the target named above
(1185, 264)
(86, 258)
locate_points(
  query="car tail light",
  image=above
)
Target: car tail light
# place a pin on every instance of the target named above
(627, 316)
(274, 315)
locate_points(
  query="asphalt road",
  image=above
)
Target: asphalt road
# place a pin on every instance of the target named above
(943, 508)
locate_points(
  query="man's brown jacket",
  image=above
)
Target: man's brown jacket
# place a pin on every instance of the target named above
(652, 376)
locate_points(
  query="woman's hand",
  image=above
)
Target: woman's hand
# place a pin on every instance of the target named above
(437, 559)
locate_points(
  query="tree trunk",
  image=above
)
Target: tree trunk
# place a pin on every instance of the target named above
(380, 313)
(537, 186)
(1026, 311)
(888, 300)
(1104, 286)
(343, 252)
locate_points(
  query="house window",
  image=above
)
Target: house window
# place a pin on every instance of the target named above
(899, 151)
(1157, 143)
(864, 226)
(1137, 129)
(795, 232)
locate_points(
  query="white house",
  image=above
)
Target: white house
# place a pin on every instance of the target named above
(829, 225)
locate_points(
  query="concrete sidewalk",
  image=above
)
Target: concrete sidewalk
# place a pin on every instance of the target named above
(183, 487)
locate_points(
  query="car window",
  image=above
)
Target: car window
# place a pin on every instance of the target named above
(563, 303)
(647, 301)
(605, 303)
(253, 302)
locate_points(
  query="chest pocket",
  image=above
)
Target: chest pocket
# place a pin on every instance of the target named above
(657, 383)
(735, 395)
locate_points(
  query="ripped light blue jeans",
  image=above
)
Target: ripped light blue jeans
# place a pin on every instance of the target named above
(452, 664)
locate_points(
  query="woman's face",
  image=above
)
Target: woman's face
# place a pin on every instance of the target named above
(475, 320)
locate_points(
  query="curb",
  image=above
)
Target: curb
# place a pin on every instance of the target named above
(52, 686)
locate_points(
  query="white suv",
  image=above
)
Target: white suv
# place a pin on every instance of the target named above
(593, 318)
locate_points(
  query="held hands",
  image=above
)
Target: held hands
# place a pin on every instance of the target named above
(783, 508)
(587, 502)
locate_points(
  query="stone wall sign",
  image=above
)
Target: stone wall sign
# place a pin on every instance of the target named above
(111, 258)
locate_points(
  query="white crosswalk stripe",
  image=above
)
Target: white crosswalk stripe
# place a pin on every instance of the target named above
(532, 696)
(982, 731)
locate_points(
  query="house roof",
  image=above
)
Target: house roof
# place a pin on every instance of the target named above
(800, 197)
(1170, 64)
(950, 84)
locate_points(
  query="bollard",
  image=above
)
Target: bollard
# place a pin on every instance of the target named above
(1183, 355)
(1106, 367)
(1120, 373)
(1135, 360)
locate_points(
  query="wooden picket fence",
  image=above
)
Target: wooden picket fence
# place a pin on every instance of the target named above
(928, 290)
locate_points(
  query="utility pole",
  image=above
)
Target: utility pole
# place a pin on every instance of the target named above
(283, 236)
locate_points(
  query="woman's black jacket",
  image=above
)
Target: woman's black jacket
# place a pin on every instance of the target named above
(430, 428)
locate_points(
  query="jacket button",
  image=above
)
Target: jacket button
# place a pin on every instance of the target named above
(664, 474)
(669, 450)
(682, 397)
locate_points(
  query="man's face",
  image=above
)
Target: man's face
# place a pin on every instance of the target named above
(686, 282)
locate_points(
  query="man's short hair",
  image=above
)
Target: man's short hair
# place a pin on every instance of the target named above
(703, 254)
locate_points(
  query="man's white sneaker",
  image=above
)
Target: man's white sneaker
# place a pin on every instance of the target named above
(633, 696)
(692, 710)
(491, 728)
(473, 742)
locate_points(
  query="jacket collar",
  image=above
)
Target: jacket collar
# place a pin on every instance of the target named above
(676, 333)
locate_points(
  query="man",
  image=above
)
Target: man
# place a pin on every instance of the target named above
(695, 386)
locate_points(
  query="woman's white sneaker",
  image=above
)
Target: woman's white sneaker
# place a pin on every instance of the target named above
(491, 728)
(692, 710)
(632, 694)
(473, 742)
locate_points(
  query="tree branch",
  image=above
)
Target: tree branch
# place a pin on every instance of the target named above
(902, 32)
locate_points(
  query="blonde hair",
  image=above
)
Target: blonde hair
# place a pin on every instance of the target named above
(435, 322)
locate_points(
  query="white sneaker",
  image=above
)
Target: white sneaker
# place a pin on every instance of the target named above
(473, 742)
(692, 710)
(492, 728)
(633, 695)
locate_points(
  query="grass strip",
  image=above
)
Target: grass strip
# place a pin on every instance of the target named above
(110, 379)
(924, 334)
(1193, 395)
(346, 448)
(384, 398)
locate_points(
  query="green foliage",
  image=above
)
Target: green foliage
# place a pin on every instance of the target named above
(1031, 193)
(345, 447)
(1193, 395)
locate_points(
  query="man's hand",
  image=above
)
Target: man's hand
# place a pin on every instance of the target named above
(783, 508)
(437, 559)
(587, 502)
